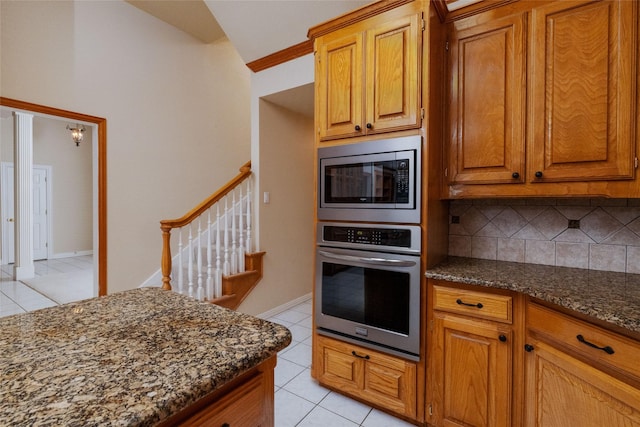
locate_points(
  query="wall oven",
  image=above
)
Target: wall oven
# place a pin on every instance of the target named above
(367, 287)
(374, 181)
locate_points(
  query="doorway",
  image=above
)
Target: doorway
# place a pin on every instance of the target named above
(99, 130)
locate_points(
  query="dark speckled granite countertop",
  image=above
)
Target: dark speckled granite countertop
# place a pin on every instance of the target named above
(128, 359)
(606, 296)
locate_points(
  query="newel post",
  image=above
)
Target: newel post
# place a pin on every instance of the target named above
(166, 257)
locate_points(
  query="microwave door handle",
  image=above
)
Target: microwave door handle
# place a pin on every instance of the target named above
(368, 260)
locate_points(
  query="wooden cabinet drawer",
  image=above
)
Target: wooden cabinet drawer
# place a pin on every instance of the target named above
(381, 379)
(613, 351)
(477, 304)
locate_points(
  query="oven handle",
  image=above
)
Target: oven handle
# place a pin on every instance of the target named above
(367, 260)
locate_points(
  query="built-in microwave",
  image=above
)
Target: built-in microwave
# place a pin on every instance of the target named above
(374, 181)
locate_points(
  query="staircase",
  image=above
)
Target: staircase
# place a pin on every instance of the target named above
(214, 260)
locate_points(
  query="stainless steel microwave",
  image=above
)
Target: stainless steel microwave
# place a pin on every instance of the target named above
(375, 181)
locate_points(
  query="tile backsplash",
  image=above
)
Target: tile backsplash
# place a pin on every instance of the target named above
(599, 234)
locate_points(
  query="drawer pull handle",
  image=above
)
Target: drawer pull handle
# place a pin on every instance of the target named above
(366, 356)
(606, 349)
(460, 302)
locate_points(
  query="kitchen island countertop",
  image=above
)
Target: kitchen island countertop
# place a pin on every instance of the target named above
(132, 358)
(607, 296)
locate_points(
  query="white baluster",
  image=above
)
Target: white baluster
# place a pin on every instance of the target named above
(209, 266)
(234, 251)
(218, 288)
(180, 268)
(226, 267)
(248, 242)
(190, 266)
(241, 235)
(198, 247)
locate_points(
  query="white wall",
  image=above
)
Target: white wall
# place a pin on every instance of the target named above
(178, 111)
(282, 144)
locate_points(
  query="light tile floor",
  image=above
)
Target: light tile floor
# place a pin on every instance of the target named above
(16, 297)
(300, 400)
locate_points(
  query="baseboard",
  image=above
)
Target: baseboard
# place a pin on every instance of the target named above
(284, 307)
(70, 254)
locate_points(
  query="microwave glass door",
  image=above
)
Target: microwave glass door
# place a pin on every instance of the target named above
(374, 182)
(367, 295)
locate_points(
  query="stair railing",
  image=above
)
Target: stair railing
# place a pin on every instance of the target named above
(226, 236)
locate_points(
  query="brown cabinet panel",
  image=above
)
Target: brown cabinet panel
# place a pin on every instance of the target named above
(382, 380)
(339, 76)
(393, 79)
(563, 391)
(487, 102)
(368, 76)
(471, 371)
(582, 85)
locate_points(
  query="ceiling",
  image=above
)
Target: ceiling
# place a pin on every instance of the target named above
(256, 28)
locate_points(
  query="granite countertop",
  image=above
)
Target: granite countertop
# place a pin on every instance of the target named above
(607, 296)
(128, 359)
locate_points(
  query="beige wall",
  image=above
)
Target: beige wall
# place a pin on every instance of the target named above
(71, 186)
(286, 222)
(178, 111)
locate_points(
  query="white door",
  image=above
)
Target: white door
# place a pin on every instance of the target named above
(40, 213)
(40, 220)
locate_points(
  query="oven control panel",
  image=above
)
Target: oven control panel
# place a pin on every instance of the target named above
(381, 236)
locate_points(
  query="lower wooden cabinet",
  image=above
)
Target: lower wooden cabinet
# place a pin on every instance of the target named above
(578, 374)
(247, 401)
(382, 380)
(471, 372)
(470, 364)
(564, 391)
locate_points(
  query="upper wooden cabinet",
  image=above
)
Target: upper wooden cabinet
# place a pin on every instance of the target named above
(548, 84)
(582, 84)
(368, 76)
(487, 101)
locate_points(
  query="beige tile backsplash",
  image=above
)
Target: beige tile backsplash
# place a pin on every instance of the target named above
(536, 231)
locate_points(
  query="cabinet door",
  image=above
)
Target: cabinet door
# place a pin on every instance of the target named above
(471, 370)
(487, 105)
(390, 383)
(393, 75)
(583, 66)
(563, 391)
(339, 82)
(380, 379)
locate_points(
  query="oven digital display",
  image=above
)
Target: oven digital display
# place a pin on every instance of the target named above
(400, 238)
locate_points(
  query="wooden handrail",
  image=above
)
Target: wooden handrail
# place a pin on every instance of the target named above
(167, 224)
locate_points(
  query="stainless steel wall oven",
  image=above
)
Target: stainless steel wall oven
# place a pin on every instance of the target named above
(368, 285)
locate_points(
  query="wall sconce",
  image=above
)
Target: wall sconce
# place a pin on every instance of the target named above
(77, 133)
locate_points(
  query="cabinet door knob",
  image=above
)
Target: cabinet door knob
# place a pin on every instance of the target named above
(358, 128)
(369, 126)
(538, 174)
(515, 175)
(528, 348)
(502, 338)
(225, 425)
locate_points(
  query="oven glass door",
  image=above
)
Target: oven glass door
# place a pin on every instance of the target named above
(369, 296)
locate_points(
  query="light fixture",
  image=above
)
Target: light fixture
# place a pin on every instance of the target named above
(77, 133)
